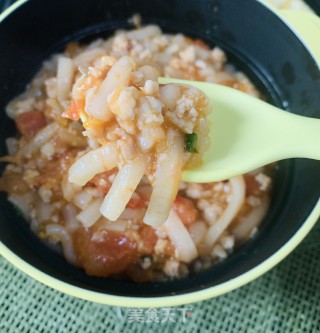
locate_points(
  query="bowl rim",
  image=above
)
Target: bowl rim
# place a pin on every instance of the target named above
(174, 300)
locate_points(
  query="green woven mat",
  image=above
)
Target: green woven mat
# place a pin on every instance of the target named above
(286, 299)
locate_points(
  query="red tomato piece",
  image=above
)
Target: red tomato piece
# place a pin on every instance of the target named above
(186, 210)
(29, 123)
(252, 186)
(111, 254)
(149, 238)
(73, 111)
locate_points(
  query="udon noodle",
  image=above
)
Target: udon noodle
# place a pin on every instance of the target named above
(96, 168)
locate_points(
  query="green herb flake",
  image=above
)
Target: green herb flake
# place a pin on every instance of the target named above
(190, 142)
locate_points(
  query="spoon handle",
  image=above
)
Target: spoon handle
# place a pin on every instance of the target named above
(302, 137)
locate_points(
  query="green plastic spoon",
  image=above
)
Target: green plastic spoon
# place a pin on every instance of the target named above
(247, 133)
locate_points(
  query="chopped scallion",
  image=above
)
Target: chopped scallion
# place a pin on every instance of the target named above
(190, 142)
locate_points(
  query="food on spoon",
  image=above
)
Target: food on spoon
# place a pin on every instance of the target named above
(142, 128)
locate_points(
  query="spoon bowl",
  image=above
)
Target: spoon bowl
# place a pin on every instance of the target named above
(247, 133)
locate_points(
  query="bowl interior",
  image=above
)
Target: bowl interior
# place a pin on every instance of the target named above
(255, 40)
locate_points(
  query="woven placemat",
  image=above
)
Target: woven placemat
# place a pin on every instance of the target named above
(286, 299)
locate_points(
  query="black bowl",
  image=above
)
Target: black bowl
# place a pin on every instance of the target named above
(258, 42)
(315, 5)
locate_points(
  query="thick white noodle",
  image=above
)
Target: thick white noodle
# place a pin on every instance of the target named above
(43, 211)
(85, 58)
(166, 182)
(122, 188)
(69, 190)
(92, 163)
(244, 229)
(180, 237)
(59, 232)
(236, 201)
(44, 135)
(70, 217)
(118, 76)
(91, 214)
(119, 225)
(23, 202)
(145, 32)
(82, 199)
(198, 231)
(65, 73)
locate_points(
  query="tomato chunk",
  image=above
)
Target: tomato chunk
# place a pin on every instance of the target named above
(252, 186)
(186, 210)
(29, 123)
(73, 111)
(149, 238)
(112, 253)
